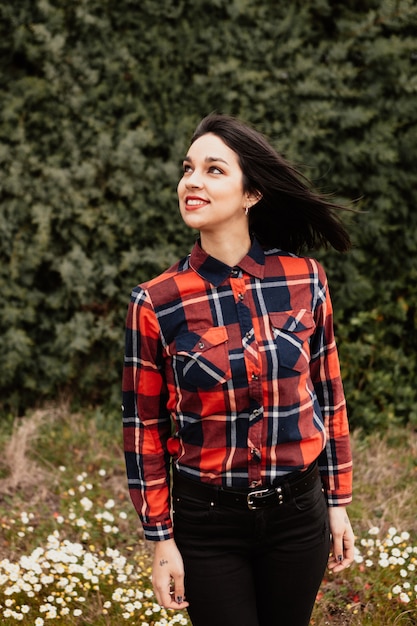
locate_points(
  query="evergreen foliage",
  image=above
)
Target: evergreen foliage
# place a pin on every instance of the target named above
(99, 99)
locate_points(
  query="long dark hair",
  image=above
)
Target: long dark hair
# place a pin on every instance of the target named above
(290, 214)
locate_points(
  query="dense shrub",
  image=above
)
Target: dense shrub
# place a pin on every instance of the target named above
(99, 99)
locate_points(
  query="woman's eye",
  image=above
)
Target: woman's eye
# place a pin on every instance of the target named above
(213, 169)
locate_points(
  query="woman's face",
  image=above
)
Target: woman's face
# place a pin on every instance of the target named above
(210, 193)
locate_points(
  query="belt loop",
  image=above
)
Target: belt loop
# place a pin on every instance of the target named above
(286, 488)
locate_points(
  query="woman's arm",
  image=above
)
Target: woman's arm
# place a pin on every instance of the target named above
(335, 461)
(146, 420)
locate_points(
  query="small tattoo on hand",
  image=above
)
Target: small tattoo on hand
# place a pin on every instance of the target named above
(163, 562)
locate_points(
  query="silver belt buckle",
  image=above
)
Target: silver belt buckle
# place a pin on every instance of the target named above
(255, 494)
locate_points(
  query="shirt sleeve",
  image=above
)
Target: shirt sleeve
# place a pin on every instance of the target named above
(146, 420)
(335, 461)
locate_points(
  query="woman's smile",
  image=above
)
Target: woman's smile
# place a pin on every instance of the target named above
(195, 202)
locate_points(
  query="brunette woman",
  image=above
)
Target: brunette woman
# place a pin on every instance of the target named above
(232, 390)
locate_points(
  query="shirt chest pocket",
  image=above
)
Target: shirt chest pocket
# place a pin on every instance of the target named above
(201, 358)
(292, 331)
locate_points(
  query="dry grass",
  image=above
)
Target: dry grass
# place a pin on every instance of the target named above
(44, 441)
(22, 472)
(385, 480)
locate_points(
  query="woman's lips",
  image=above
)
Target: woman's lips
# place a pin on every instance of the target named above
(194, 202)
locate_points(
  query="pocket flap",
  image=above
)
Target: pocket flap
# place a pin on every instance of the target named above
(293, 321)
(201, 340)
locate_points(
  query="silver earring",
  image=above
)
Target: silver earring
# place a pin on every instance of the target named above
(246, 210)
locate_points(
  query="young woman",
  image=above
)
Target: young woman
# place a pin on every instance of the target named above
(232, 377)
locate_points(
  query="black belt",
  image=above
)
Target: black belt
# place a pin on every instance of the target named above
(283, 490)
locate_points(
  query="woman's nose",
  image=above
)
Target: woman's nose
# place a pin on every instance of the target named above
(193, 180)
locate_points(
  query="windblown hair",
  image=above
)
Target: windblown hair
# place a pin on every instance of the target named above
(291, 214)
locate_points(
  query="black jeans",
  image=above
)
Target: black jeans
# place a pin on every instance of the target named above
(252, 567)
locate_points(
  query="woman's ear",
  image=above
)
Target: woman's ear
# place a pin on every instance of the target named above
(253, 197)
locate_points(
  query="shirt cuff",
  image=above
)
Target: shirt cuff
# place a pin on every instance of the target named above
(159, 531)
(338, 499)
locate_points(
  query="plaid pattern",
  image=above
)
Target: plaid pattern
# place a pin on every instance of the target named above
(234, 373)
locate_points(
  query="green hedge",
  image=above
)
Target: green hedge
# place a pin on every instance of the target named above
(98, 101)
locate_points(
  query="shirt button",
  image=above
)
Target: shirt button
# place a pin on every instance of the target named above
(256, 455)
(255, 413)
(201, 345)
(255, 376)
(240, 296)
(235, 272)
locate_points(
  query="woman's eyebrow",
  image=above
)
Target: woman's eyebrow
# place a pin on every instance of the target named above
(208, 159)
(212, 159)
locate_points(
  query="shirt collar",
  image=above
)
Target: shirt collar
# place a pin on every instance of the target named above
(216, 271)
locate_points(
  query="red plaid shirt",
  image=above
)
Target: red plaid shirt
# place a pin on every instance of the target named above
(234, 373)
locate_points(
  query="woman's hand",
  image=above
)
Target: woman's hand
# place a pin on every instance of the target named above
(168, 575)
(343, 539)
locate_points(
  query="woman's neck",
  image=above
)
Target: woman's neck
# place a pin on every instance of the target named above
(226, 248)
